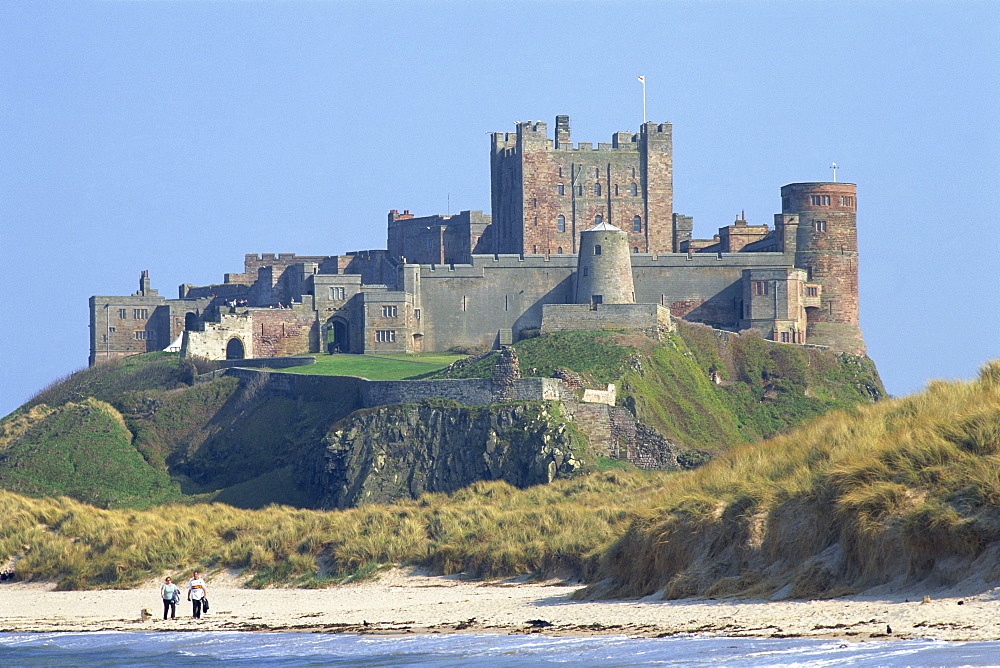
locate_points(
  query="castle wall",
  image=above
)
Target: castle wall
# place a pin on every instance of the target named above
(284, 332)
(470, 304)
(436, 239)
(700, 287)
(212, 341)
(651, 319)
(372, 393)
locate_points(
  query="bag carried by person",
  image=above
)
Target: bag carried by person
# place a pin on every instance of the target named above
(204, 604)
(177, 596)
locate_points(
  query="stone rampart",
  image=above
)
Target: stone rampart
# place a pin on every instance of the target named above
(652, 319)
(372, 393)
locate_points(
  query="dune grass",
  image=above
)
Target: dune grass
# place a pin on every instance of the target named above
(859, 497)
(487, 530)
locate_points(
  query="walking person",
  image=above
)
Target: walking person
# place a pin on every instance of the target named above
(196, 594)
(169, 592)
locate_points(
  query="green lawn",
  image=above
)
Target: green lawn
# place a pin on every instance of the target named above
(382, 367)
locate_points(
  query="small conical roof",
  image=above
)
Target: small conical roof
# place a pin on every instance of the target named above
(604, 227)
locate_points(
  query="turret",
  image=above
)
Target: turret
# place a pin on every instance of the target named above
(826, 246)
(604, 267)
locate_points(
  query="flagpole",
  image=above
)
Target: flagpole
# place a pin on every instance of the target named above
(642, 80)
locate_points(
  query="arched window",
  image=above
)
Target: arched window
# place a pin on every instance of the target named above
(597, 172)
(597, 190)
(598, 219)
(561, 189)
(635, 249)
(561, 224)
(637, 224)
(634, 189)
(559, 250)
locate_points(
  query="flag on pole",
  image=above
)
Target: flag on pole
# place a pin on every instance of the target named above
(642, 79)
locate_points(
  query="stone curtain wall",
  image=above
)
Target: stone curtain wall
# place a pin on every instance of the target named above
(652, 319)
(372, 393)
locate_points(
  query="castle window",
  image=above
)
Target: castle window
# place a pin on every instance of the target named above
(385, 336)
(389, 311)
(819, 225)
(122, 313)
(597, 172)
(559, 250)
(534, 202)
(633, 172)
(784, 337)
(812, 292)
(140, 313)
(635, 249)
(560, 172)
(847, 201)
(579, 191)
(112, 329)
(597, 190)
(561, 189)
(598, 219)
(597, 299)
(416, 313)
(141, 335)
(586, 271)
(819, 200)
(597, 250)
(634, 189)
(616, 190)
(760, 288)
(536, 220)
(338, 293)
(534, 249)
(637, 224)
(561, 224)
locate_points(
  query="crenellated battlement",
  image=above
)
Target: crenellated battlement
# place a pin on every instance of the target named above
(537, 133)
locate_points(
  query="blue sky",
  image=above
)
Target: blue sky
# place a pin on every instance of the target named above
(177, 136)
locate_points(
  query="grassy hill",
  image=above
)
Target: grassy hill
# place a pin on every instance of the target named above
(905, 491)
(762, 388)
(139, 431)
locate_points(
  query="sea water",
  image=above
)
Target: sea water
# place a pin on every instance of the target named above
(463, 650)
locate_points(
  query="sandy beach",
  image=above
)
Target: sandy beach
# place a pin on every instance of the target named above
(401, 601)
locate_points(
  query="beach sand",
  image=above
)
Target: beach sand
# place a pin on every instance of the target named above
(403, 601)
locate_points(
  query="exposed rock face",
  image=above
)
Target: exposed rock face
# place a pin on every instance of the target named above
(397, 452)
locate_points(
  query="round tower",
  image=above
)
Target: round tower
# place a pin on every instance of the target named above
(604, 267)
(827, 248)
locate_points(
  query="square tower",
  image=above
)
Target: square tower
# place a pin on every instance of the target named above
(545, 193)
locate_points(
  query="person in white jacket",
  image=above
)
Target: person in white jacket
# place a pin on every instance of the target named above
(196, 593)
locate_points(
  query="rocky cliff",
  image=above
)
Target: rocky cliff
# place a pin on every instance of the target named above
(396, 452)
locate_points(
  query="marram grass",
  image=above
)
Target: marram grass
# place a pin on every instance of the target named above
(902, 490)
(489, 529)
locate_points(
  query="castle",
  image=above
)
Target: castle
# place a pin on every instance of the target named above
(580, 237)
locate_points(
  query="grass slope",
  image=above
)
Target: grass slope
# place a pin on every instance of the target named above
(764, 387)
(82, 450)
(903, 490)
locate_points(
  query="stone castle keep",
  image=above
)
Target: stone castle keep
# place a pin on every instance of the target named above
(580, 237)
